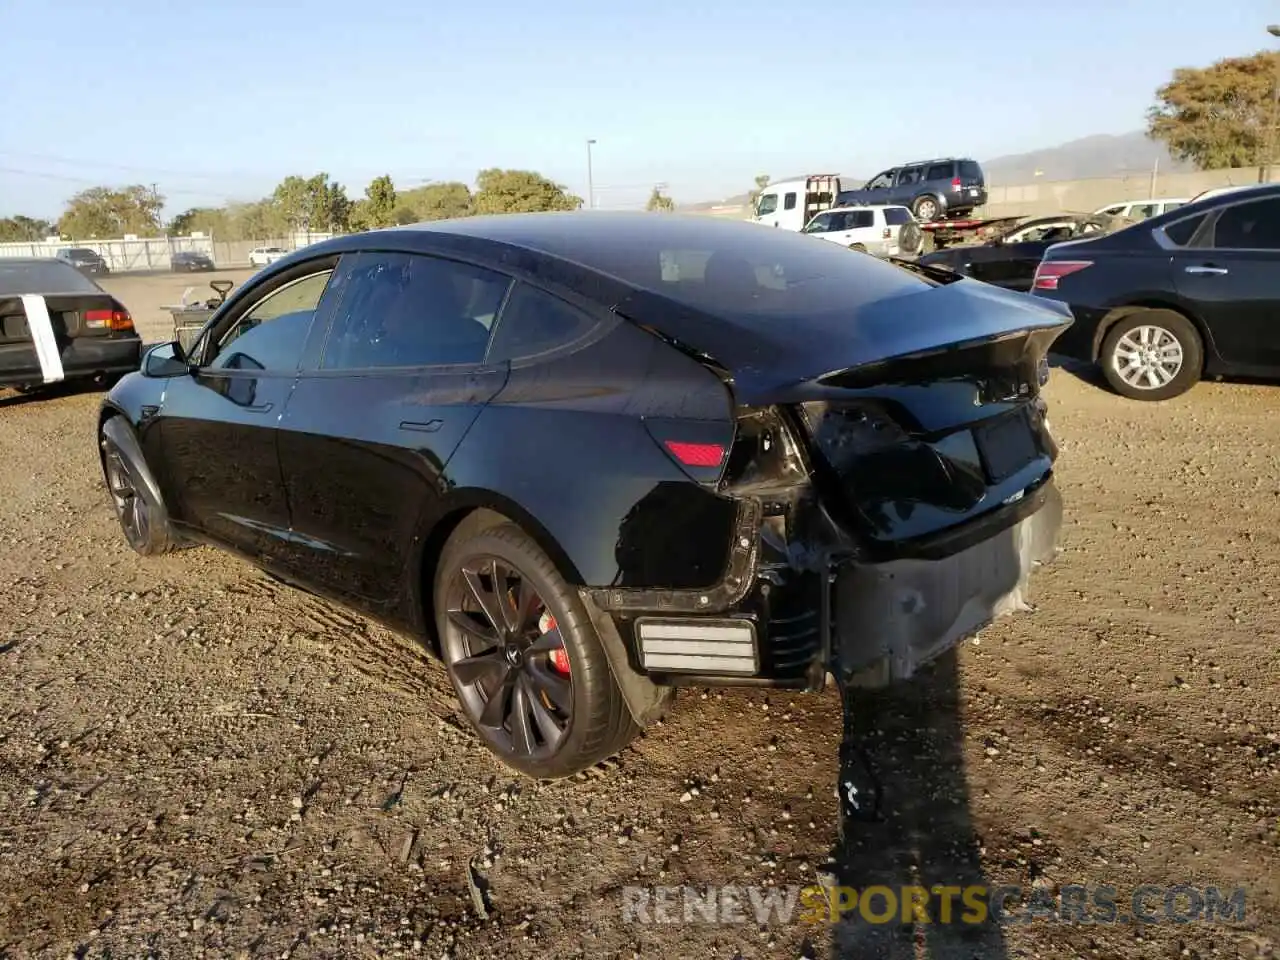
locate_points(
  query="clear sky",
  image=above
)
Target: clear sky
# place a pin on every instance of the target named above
(218, 99)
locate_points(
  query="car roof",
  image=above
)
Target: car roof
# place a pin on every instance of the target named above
(850, 207)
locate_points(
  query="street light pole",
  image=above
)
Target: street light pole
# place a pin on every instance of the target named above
(591, 191)
(1274, 30)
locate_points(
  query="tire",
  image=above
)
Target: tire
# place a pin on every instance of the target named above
(910, 237)
(572, 718)
(142, 516)
(927, 209)
(1151, 338)
(858, 246)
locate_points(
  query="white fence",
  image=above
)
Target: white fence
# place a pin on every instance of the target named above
(154, 253)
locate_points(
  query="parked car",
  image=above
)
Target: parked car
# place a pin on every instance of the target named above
(262, 256)
(1009, 258)
(85, 260)
(881, 231)
(1141, 209)
(56, 324)
(589, 457)
(932, 189)
(190, 261)
(1191, 293)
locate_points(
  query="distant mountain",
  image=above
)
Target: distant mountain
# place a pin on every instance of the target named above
(1097, 156)
(1103, 155)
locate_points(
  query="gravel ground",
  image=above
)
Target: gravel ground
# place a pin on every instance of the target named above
(195, 761)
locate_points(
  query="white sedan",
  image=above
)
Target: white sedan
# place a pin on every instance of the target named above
(261, 256)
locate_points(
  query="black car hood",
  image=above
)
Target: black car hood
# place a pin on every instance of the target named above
(767, 358)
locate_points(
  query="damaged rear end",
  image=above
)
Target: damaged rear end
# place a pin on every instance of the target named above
(892, 467)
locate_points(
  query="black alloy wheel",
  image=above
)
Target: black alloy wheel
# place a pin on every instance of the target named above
(507, 658)
(132, 508)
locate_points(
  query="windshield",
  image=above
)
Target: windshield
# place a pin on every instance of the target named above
(42, 276)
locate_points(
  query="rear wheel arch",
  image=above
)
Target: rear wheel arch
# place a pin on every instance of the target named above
(478, 510)
(1119, 313)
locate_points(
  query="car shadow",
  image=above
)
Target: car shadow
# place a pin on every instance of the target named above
(1082, 370)
(12, 398)
(912, 736)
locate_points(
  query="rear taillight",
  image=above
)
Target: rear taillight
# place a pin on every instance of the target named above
(846, 431)
(699, 447)
(696, 454)
(118, 320)
(955, 184)
(1051, 271)
(887, 233)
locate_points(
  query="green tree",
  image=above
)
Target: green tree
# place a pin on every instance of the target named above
(659, 202)
(762, 181)
(24, 228)
(435, 201)
(377, 208)
(520, 191)
(1220, 115)
(261, 220)
(102, 212)
(213, 221)
(312, 203)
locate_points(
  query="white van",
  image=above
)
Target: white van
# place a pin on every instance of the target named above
(791, 204)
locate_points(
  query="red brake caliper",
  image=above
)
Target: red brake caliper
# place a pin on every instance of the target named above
(559, 656)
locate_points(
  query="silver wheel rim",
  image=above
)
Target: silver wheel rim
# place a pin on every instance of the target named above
(928, 210)
(1147, 357)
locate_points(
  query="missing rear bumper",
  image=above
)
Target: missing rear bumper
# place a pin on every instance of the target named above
(892, 618)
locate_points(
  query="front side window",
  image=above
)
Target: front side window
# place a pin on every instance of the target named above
(271, 335)
(534, 322)
(407, 310)
(881, 181)
(1249, 226)
(910, 175)
(820, 224)
(789, 202)
(1115, 210)
(768, 203)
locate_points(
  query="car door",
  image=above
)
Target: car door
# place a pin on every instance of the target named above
(878, 188)
(909, 182)
(216, 431)
(370, 427)
(1229, 277)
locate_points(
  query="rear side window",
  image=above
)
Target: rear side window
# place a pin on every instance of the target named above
(896, 216)
(1172, 205)
(1249, 226)
(939, 171)
(969, 170)
(534, 322)
(857, 219)
(789, 202)
(406, 310)
(1182, 231)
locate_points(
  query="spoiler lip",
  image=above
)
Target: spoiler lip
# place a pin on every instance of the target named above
(762, 357)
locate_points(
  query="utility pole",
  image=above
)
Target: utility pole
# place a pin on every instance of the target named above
(1270, 159)
(591, 191)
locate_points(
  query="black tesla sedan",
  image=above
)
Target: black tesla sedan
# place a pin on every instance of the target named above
(1191, 293)
(590, 457)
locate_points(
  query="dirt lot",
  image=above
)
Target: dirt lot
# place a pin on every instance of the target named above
(196, 762)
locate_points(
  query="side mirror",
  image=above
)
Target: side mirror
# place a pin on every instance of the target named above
(165, 360)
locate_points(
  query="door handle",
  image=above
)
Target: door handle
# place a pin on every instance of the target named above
(430, 426)
(260, 408)
(1214, 271)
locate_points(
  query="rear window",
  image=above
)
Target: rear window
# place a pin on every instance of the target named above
(42, 276)
(896, 216)
(82, 252)
(938, 171)
(969, 170)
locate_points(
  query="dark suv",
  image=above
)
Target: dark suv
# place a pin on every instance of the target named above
(933, 189)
